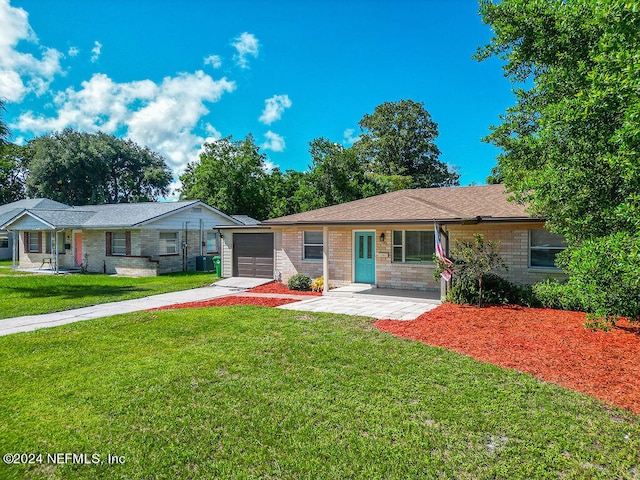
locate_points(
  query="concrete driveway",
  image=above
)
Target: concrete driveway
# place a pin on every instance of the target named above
(230, 286)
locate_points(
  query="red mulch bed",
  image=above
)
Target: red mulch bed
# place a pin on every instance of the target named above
(552, 345)
(279, 287)
(232, 300)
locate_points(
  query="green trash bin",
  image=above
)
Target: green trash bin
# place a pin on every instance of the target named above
(216, 263)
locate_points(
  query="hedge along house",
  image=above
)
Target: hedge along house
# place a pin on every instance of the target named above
(136, 239)
(389, 240)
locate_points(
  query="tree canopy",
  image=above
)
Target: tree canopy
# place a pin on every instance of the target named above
(395, 151)
(93, 168)
(12, 166)
(571, 143)
(398, 140)
(230, 176)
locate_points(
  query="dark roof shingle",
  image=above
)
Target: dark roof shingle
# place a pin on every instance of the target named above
(424, 204)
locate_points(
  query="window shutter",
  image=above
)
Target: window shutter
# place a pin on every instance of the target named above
(26, 241)
(127, 240)
(39, 242)
(108, 245)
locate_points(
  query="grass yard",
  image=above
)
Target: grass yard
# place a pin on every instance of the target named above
(34, 294)
(251, 392)
(5, 268)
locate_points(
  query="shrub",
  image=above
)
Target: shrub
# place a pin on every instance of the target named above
(496, 291)
(562, 296)
(472, 261)
(299, 281)
(318, 284)
(606, 273)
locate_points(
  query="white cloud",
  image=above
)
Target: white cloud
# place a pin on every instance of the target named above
(95, 51)
(246, 44)
(22, 73)
(214, 60)
(159, 116)
(349, 138)
(274, 142)
(269, 166)
(274, 107)
(73, 52)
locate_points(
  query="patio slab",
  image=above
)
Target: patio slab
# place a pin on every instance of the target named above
(395, 308)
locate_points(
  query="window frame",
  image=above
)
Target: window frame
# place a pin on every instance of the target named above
(216, 237)
(30, 236)
(48, 243)
(403, 247)
(162, 243)
(114, 253)
(544, 248)
(4, 238)
(306, 244)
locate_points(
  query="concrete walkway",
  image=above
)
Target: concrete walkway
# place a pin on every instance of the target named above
(361, 300)
(231, 286)
(368, 301)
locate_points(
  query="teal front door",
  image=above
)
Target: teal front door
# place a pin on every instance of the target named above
(365, 250)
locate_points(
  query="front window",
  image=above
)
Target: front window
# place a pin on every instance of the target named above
(4, 240)
(413, 246)
(213, 242)
(33, 242)
(168, 243)
(119, 243)
(312, 245)
(543, 248)
(50, 246)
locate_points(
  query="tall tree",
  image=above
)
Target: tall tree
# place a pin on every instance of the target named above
(337, 175)
(13, 173)
(230, 176)
(398, 140)
(12, 166)
(93, 168)
(571, 143)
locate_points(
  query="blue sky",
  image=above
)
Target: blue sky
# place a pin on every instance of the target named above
(173, 74)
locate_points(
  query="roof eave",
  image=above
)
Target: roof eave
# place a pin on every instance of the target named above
(456, 221)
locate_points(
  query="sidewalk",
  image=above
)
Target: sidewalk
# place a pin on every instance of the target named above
(34, 322)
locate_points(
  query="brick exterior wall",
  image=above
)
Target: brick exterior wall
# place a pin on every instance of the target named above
(145, 258)
(289, 260)
(514, 247)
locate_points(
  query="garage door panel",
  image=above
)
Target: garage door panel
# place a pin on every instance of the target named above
(253, 255)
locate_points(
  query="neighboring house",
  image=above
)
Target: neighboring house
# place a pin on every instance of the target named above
(138, 239)
(388, 240)
(11, 210)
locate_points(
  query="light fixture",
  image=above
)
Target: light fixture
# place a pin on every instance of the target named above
(382, 237)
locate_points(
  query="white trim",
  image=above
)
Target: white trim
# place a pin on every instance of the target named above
(187, 206)
(540, 268)
(304, 257)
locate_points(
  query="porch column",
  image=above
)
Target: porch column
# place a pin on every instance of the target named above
(325, 259)
(14, 248)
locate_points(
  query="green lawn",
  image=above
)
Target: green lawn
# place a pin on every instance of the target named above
(248, 392)
(34, 294)
(5, 268)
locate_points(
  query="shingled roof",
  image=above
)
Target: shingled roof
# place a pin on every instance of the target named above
(11, 210)
(104, 216)
(453, 204)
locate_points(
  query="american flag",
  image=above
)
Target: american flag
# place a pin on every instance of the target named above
(446, 273)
